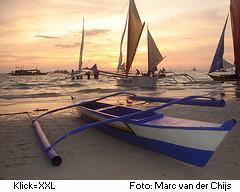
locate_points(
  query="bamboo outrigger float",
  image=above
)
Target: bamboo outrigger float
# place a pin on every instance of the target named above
(52, 155)
(186, 140)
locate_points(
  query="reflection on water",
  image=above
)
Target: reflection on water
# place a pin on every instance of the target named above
(237, 89)
(54, 90)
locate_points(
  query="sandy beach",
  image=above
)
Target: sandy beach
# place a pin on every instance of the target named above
(92, 154)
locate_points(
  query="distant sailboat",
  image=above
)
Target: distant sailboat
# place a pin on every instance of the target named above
(77, 74)
(219, 64)
(135, 28)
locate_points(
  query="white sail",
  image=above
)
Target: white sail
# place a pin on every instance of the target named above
(226, 64)
(81, 50)
(121, 55)
(135, 28)
(154, 55)
(122, 67)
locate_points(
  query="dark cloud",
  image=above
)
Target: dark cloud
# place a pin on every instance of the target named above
(67, 46)
(94, 32)
(47, 37)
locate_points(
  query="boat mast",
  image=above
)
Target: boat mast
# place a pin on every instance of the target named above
(235, 19)
(81, 50)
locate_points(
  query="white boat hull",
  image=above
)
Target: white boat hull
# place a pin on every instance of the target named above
(190, 141)
(205, 140)
(138, 81)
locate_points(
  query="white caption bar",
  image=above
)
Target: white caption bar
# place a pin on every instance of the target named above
(120, 186)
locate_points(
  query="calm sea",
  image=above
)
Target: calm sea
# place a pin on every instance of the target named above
(26, 93)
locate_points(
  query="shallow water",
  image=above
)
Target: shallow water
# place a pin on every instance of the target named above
(26, 93)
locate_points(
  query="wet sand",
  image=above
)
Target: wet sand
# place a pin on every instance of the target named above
(92, 154)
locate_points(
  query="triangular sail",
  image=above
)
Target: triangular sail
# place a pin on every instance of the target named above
(154, 55)
(217, 62)
(94, 68)
(227, 65)
(121, 55)
(235, 18)
(135, 28)
(81, 50)
(122, 67)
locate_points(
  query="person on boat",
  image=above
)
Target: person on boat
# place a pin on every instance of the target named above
(96, 74)
(72, 75)
(88, 75)
(79, 76)
(137, 72)
(95, 71)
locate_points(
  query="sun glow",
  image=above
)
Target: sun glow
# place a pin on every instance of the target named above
(48, 33)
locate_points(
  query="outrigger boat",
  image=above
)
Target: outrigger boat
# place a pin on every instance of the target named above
(186, 140)
(135, 28)
(27, 72)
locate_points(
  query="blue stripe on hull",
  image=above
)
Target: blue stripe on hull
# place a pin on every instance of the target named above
(189, 155)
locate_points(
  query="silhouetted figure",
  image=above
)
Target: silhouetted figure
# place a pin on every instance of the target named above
(88, 74)
(137, 72)
(96, 74)
(72, 75)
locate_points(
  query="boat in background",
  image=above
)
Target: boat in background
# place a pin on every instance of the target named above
(135, 28)
(86, 71)
(27, 72)
(222, 70)
(78, 74)
(60, 71)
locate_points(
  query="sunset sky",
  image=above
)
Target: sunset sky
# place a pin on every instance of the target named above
(47, 33)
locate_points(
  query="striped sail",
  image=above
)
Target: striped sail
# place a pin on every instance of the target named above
(154, 55)
(235, 18)
(135, 28)
(217, 62)
(81, 50)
